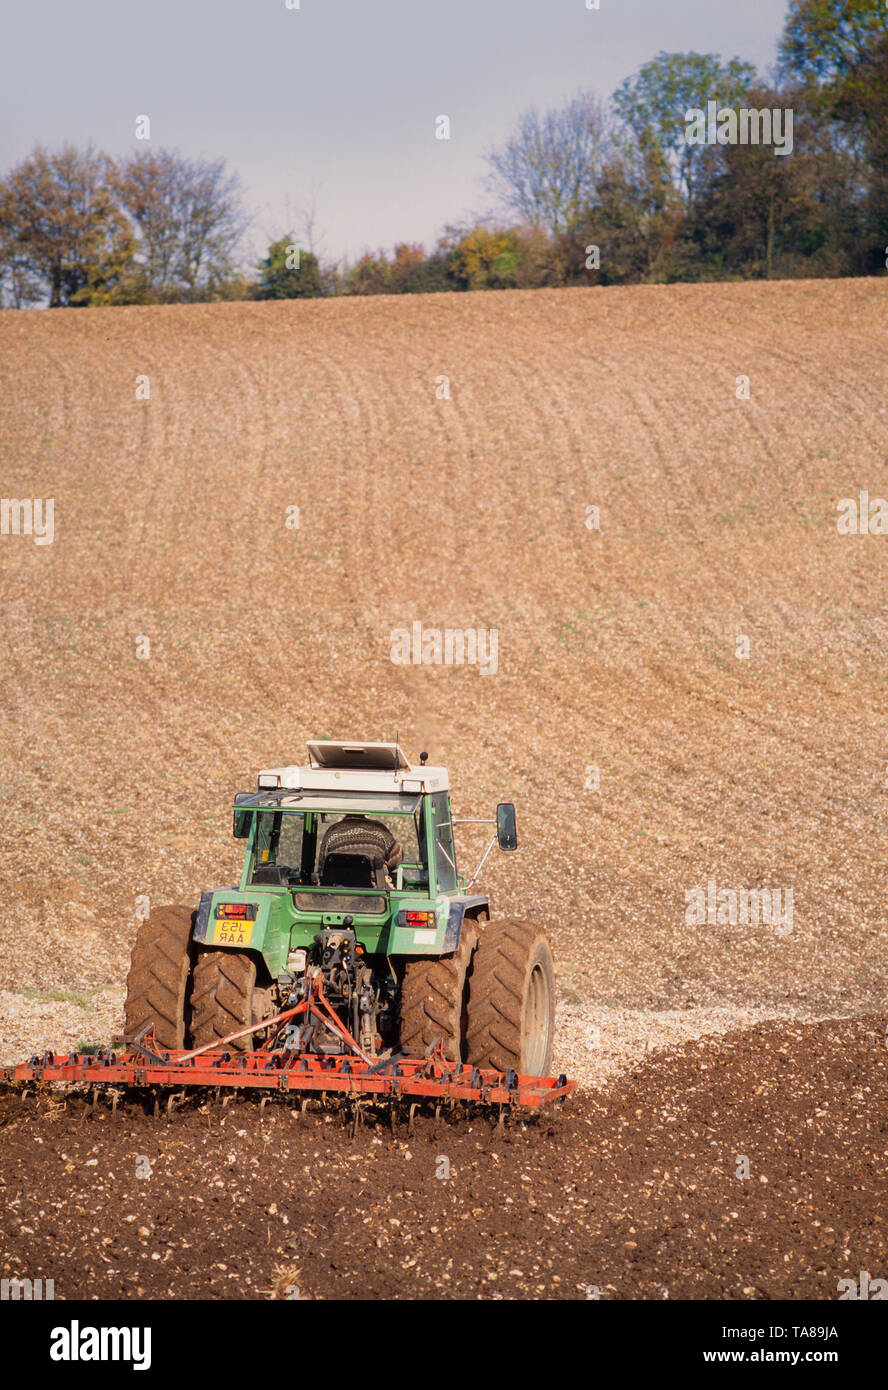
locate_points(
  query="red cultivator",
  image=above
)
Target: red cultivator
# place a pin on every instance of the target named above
(275, 1069)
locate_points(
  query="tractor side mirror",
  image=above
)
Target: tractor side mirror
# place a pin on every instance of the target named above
(506, 829)
(241, 824)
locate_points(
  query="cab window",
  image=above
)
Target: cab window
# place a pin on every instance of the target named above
(442, 831)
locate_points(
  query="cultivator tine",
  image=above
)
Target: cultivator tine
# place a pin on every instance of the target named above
(326, 1079)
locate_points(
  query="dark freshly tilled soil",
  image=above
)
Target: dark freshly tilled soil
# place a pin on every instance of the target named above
(633, 1192)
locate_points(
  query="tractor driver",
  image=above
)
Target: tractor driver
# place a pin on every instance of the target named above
(356, 834)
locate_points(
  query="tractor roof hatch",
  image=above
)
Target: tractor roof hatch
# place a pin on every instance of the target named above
(380, 757)
(357, 767)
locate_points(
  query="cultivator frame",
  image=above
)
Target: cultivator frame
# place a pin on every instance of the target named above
(277, 1070)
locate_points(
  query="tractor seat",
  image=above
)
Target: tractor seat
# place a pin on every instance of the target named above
(353, 871)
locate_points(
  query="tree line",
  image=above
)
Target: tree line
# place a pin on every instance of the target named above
(587, 193)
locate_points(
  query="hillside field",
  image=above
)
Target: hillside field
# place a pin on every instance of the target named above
(648, 748)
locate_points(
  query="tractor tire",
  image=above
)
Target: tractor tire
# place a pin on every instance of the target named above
(159, 974)
(512, 1000)
(225, 996)
(433, 999)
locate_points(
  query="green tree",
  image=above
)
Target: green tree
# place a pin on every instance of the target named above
(654, 102)
(369, 275)
(413, 272)
(839, 50)
(288, 272)
(481, 257)
(834, 43)
(619, 225)
(409, 271)
(767, 217)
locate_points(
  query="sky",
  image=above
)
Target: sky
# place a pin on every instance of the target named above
(334, 102)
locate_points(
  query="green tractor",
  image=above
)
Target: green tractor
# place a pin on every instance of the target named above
(350, 878)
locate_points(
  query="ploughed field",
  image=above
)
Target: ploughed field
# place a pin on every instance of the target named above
(684, 1178)
(685, 691)
(616, 661)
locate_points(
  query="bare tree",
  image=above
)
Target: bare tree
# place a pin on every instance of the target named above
(308, 223)
(547, 170)
(189, 220)
(20, 286)
(300, 222)
(147, 185)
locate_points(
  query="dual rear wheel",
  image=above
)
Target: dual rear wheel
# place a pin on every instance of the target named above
(192, 997)
(490, 1003)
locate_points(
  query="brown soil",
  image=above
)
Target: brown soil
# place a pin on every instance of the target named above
(633, 1192)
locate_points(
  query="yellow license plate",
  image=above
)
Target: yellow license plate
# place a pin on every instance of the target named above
(233, 933)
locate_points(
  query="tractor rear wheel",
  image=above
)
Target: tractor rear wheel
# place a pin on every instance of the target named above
(157, 983)
(225, 997)
(512, 999)
(433, 999)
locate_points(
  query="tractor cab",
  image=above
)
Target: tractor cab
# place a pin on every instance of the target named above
(358, 820)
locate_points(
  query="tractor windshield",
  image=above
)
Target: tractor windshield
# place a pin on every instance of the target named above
(339, 845)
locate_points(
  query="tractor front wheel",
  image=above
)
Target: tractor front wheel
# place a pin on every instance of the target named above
(157, 983)
(226, 997)
(512, 999)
